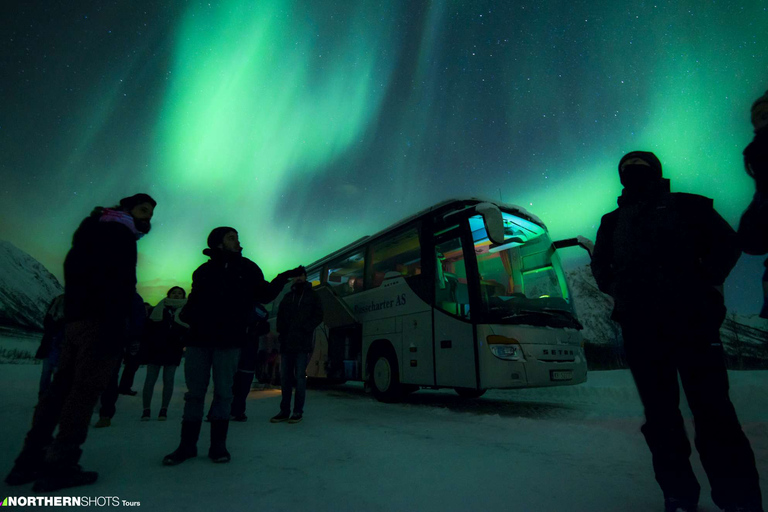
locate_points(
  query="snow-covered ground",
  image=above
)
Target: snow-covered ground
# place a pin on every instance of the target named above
(570, 448)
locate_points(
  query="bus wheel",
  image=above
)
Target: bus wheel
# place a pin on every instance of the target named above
(385, 376)
(469, 392)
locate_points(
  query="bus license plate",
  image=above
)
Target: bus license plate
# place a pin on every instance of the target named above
(561, 374)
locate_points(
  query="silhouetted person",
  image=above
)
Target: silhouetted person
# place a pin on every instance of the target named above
(99, 286)
(225, 291)
(163, 348)
(299, 314)
(663, 257)
(753, 228)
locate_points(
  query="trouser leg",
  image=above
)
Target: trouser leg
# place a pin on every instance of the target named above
(150, 380)
(129, 372)
(725, 451)
(301, 383)
(197, 373)
(651, 360)
(94, 367)
(49, 405)
(287, 376)
(111, 393)
(224, 368)
(169, 375)
(243, 378)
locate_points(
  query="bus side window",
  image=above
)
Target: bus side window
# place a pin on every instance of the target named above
(398, 256)
(346, 276)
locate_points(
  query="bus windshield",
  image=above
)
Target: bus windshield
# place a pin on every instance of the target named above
(522, 280)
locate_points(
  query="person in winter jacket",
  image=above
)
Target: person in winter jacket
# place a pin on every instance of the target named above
(99, 286)
(163, 347)
(663, 257)
(299, 315)
(50, 345)
(135, 333)
(753, 228)
(225, 291)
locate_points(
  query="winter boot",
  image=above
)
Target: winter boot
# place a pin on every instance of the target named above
(103, 422)
(63, 477)
(280, 417)
(29, 466)
(190, 431)
(677, 505)
(218, 451)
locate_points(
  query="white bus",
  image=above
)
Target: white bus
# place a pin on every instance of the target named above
(468, 294)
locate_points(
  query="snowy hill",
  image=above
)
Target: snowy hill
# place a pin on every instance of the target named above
(745, 337)
(593, 308)
(26, 288)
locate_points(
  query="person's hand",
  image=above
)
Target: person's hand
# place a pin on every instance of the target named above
(296, 272)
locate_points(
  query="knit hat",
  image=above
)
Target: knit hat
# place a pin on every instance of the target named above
(128, 203)
(645, 156)
(217, 236)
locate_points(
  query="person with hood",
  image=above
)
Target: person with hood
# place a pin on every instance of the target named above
(299, 315)
(50, 345)
(162, 349)
(753, 228)
(225, 291)
(99, 287)
(664, 257)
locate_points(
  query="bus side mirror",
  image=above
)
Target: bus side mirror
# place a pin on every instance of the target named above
(583, 242)
(493, 220)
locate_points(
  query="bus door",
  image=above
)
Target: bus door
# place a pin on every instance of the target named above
(454, 338)
(339, 330)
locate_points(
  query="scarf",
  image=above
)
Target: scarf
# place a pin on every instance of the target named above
(121, 217)
(175, 304)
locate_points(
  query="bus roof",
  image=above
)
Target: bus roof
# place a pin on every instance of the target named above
(511, 208)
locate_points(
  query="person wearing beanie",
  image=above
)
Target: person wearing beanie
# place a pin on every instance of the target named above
(664, 257)
(220, 307)
(99, 289)
(753, 227)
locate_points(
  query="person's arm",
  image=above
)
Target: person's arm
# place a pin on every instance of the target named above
(192, 308)
(753, 227)
(602, 257)
(722, 248)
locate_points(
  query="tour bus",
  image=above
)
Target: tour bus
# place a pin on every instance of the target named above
(467, 294)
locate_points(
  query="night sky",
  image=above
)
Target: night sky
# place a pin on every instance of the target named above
(306, 125)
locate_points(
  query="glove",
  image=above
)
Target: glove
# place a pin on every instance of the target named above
(296, 272)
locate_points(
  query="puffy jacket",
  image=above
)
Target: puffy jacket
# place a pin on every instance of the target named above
(299, 314)
(221, 305)
(666, 252)
(100, 276)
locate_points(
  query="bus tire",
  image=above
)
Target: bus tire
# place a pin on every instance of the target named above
(385, 375)
(469, 392)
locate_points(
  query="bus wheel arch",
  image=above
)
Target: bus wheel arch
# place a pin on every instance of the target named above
(384, 372)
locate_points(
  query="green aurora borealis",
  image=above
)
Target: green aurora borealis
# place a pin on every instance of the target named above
(306, 125)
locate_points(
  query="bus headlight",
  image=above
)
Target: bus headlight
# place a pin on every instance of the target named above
(508, 352)
(504, 347)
